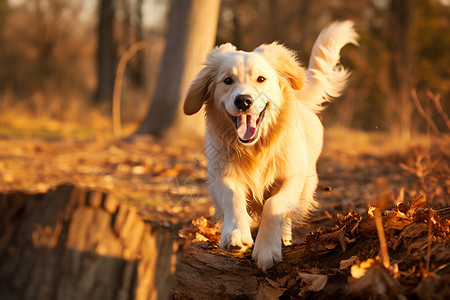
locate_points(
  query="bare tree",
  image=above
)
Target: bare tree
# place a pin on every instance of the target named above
(138, 69)
(400, 107)
(192, 31)
(4, 6)
(106, 54)
(130, 32)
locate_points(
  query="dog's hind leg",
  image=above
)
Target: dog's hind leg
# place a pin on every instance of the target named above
(307, 201)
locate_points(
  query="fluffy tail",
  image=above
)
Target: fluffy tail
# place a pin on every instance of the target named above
(326, 78)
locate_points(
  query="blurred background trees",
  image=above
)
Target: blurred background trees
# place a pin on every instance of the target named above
(58, 57)
(106, 51)
(190, 36)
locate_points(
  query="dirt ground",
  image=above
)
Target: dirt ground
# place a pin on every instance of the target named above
(168, 185)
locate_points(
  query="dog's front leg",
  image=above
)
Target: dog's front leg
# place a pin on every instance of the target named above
(267, 250)
(231, 205)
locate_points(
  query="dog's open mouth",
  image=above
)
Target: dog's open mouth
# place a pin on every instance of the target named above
(247, 126)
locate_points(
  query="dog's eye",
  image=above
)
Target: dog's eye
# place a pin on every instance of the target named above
(261, 79)
(228, 81)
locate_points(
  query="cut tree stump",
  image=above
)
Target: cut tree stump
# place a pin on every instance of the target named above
(74, 243)
(215, 274)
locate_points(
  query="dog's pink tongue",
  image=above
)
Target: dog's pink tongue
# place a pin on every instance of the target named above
(246, 127)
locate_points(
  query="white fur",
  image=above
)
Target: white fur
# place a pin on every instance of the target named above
(325, 77)
(272, 180)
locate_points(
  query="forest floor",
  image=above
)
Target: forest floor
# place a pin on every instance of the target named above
(336, 253)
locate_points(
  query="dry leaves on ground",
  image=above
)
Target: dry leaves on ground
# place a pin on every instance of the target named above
(201, 230)
(323, 241)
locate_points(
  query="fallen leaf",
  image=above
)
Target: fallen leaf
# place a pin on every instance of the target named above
(421, 201)
(200, 237)
(371, 278)
(345, 264)
(370, 211)
(330, 246)
(414, 231)
(315, 282)
(272, 282)
(359, 270)
(435, 287)
(201, 230)
(323, 241)
(267, 291)
(396, 221)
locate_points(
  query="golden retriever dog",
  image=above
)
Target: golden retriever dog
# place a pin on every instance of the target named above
(263, 135)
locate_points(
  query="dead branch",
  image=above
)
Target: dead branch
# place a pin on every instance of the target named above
(382, 238)
(430, 233)
(420, 110)
(129, 53)
(436, 98)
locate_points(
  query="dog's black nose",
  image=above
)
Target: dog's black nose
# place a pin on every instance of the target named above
(243, 102)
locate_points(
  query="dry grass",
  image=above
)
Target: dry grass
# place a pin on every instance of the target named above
(72, 117)
(354, 141)
(50, 116)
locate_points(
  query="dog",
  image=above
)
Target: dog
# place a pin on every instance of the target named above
(263, 136)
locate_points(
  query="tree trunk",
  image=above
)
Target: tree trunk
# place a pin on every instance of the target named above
(192, 31)
(73, 243)
(400, 108)
(106, 51)
(139, 60)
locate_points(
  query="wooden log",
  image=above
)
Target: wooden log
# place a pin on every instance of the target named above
(74, 243)
(215, 274)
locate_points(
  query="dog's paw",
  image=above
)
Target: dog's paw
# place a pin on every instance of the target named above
(236, 240)
(266, 256)
(287, 240)
(287, 233)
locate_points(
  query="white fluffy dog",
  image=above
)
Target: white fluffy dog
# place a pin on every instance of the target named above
(263, 136)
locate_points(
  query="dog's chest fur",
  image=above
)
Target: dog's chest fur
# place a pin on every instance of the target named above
(259, 174)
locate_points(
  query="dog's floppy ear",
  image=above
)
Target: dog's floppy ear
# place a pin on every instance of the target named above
(200, 88)
(284, 61)
(197, 91)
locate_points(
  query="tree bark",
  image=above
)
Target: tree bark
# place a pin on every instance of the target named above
(400, 108)
(73, 243)
(211, 274)
(192, 31)
(138, 75)
(106, 51)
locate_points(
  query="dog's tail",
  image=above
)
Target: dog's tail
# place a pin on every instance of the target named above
(326, 78)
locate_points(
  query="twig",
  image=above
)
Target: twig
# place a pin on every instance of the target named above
(443, 211)
(407, 168)
(429, 241)
(401, 196)
(117, 127)
(436, 98)
(382, 238)
(420, 110)
(319, 219)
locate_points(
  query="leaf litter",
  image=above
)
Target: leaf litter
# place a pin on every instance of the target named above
(344, 261)
(340, 255)
(361, 276)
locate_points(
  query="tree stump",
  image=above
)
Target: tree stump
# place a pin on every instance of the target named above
(74, 243)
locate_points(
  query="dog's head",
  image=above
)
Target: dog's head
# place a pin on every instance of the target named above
(246, 89)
